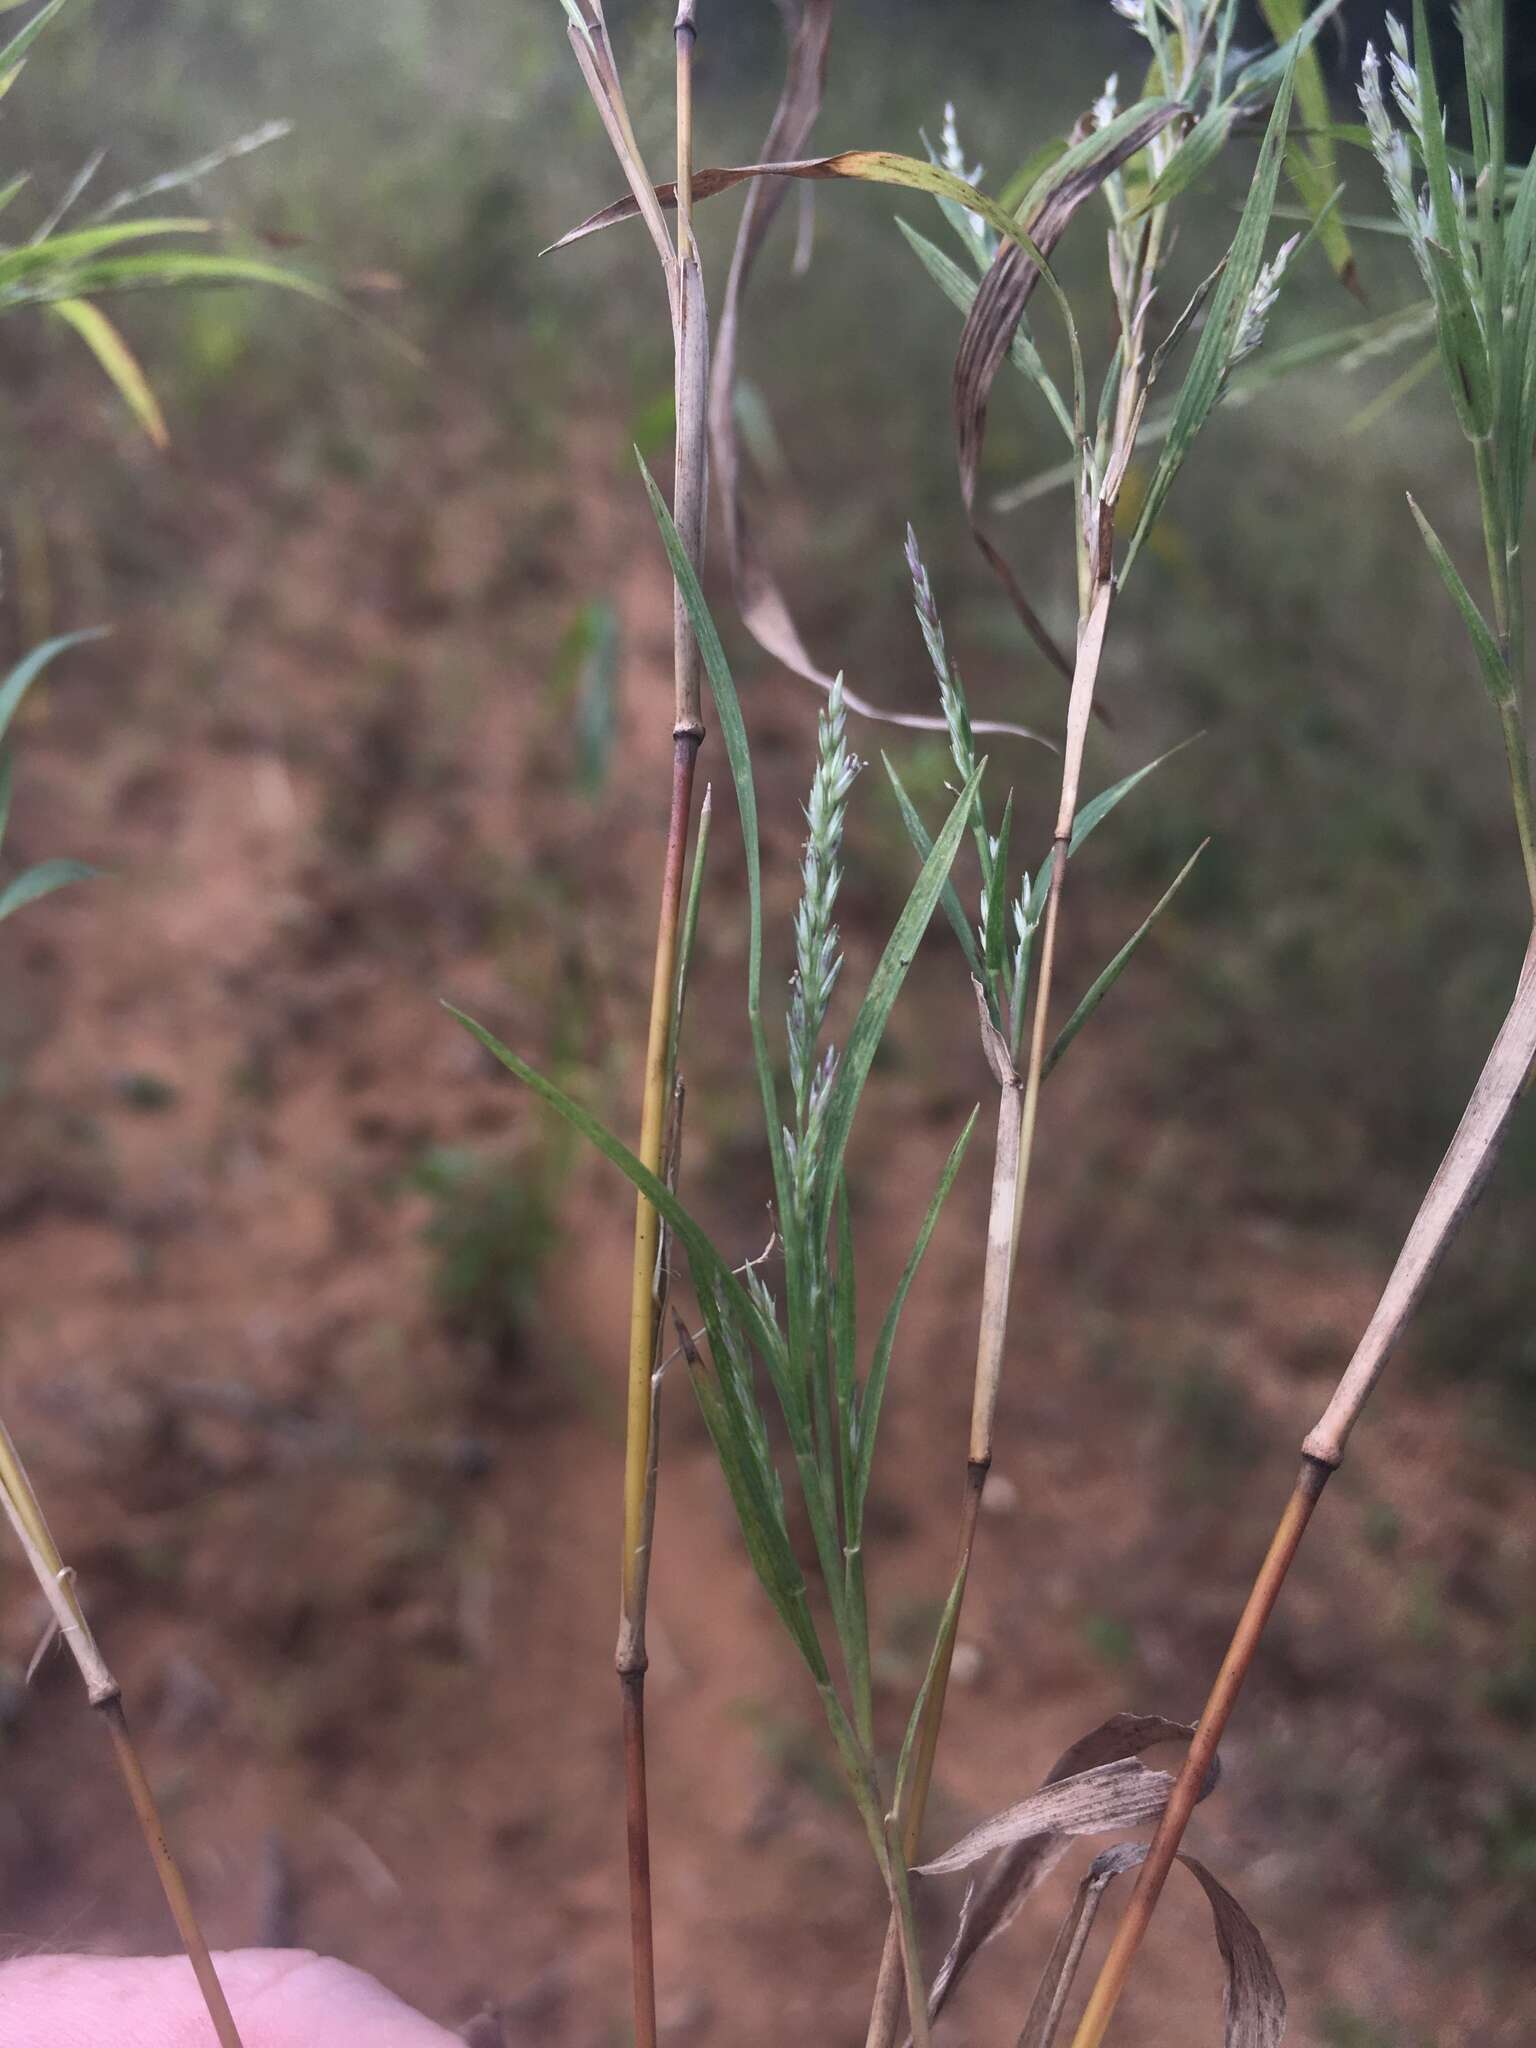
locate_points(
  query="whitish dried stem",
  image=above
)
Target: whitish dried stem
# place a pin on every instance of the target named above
(1017, 1117)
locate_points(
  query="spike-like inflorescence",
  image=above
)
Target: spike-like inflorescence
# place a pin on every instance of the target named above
(1390, 147)
(817, 958)
(957, 717)
(1261, 302)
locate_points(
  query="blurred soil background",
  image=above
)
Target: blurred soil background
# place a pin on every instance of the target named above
(311, 1328)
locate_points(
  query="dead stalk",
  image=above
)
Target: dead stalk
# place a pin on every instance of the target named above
(1017, 1115)
(57, 1583)
(690, 334)
(1457, 1184)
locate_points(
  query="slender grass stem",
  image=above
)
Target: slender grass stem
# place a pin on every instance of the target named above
(56, 1581)
(1182, 1800)
(1512, 724)
(648, 1276)
(1455, 1187)
(1017, 1119)
(168, 1871)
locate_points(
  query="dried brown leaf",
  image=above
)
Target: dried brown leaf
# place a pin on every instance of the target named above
(992, 323)
(762, 603)
(1118, 1795)
(1253, 2000)
(992, 1903)
(1061, 1967)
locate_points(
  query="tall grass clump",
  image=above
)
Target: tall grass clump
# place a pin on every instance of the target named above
(795, 1345)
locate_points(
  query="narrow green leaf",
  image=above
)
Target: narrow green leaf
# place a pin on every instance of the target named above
(885, 985)
(733, 733)
(19, 44)
(961, 291)
(845, 1318)
(84, 245)
(1089, 818)
(949, 897)
(998, 898)
(1437, 164)
(943, 1648)
(1212, 358)
(164, 268)
(1118, 965)
(710, 1269)
(880, 1365)
(1310, 159)
(1192, 159)
(41, 881)
(27, 670)
(1463, 350)
(690, 925)
(1500, 684)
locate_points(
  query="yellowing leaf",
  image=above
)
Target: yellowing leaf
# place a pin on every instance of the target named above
(107, 345)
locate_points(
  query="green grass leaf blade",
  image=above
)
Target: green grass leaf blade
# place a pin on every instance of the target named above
(1117, 966)
(961, 291)
(998, 899)
(41, 881)
(733, 734)
(880, 1364)
(1193, 158)
(943, 1649)
(1090, 817)
(885, 985)
(690, 929)
(1495, 671)
(19, 44)
(949, 896)
(1212, 358)
(31, 666)
(710, 1269)
(1311, 163)
(167, 268)
(85, 245)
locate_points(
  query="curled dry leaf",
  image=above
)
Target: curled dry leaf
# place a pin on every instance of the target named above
(1117, 1795)
(1253, 2002)
(992, 1903)
(763, 605)
(999, 306)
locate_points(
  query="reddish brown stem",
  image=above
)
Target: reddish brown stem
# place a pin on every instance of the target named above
(1097, 2014)
(171, 1881)
(641, 1944)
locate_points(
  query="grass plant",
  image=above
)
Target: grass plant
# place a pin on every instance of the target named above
(1140, 161)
